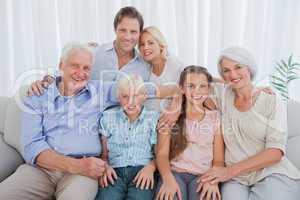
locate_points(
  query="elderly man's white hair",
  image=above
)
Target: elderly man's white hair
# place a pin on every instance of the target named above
(132, 82)
(240, 55)
(71, 47)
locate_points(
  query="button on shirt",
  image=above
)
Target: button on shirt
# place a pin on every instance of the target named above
(68, 125)
(106, 65)
(129, 144)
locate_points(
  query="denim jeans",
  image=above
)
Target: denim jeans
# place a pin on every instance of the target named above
(124, 188)
(187, 183)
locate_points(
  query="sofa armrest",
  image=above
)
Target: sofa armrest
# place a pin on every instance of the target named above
(10, 159)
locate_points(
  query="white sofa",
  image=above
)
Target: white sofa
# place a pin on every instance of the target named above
(10, 135)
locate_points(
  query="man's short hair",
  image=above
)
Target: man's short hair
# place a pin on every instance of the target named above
(130, 12)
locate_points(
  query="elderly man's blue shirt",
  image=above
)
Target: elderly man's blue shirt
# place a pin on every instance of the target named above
(68, 125)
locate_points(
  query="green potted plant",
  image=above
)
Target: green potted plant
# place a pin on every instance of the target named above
(284, 73)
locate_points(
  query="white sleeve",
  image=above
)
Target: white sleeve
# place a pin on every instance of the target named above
(277, 126)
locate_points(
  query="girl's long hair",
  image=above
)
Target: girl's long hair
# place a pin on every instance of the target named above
(178, 134)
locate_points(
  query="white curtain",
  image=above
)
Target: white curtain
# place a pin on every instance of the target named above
(34, 31)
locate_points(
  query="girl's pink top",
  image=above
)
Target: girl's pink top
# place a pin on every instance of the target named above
(197, 157)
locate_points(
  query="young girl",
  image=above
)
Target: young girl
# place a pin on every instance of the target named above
(193, 146)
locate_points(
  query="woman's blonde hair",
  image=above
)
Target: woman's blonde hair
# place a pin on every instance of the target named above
(158, 36)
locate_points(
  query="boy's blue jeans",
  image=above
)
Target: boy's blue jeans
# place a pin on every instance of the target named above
(124, 188)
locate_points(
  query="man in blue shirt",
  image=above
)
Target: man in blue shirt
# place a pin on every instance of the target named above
(60, 135)
(116, 58)
(120, 56)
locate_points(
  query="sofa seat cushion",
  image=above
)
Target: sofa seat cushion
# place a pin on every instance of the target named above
(12, 125)
(12, 122)
(293, 149)
(10, 159)
(293, 145)
(3, 103)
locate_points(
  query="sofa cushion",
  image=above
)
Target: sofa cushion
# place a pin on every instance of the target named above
(12, 122)
(12, 125)
(293, 118)
(293, 150)
(293, 146)
(11, 157)
(3, 102)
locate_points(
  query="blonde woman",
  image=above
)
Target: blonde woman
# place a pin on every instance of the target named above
(165, 68)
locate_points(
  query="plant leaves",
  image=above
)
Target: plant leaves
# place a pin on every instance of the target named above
(292, 77)
(279, 70)
(295, 64)
(295, 67)
(292, 73)
(290, 60)
(276, 78)
(281, 91)
(278, 85)
(284, 73)
(284, 66)
(285, 97)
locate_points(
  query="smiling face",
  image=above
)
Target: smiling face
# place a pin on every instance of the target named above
(76, 68)
(132, 99)
(195, 88)
(127, 34)
(149, 47)
(235, 74)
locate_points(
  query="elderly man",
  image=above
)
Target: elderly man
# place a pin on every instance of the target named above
(59, 135)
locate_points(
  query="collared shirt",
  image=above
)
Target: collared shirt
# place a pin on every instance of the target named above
(106, 65)
(68, 125)
(129, 144)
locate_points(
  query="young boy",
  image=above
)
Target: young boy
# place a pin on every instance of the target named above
(128, 136)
